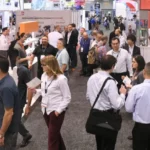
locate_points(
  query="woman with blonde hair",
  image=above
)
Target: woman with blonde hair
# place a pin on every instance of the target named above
(56, 97)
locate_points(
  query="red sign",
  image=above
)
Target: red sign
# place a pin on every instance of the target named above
(145, 5)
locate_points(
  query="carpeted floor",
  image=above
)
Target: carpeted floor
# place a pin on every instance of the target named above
(73, 130)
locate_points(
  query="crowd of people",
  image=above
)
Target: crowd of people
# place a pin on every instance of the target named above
(106, 90)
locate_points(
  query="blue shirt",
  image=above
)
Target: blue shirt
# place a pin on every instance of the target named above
(9, 98)
(85, 44)
(138, 102)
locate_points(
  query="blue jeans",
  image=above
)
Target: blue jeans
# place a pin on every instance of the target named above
(10, 141)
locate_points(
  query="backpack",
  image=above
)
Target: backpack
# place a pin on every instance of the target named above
(92, 56)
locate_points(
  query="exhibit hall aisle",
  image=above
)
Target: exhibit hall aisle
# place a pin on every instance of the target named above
(73, 129)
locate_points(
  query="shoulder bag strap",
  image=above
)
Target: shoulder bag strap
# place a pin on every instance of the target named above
(101, 91)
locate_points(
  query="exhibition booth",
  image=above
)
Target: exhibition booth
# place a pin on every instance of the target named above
(125, 8)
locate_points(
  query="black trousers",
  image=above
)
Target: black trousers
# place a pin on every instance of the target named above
(141, 136)
(105, 143)
(22, 129)
(118, 78)
(83, 58)
(73, 55)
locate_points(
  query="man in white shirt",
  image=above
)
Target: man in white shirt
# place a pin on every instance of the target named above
(54, 36)
(108, 100)
(63, 57)
(4, 42)
(124, 61)
(121, 38)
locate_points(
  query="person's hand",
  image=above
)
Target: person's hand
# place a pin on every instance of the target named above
(123, 90)
(27, 110)
(1, 139)
(56, 114)
(2, 142)
(122, 77)
(30, 66)
(129, 86)
(28, 58)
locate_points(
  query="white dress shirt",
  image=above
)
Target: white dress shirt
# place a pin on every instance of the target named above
(124, 61)
(58, 94)
(109, 97)
(122, 40)
(53, 38)
(138, 102)
(68, 37)
(4, 42)
(131, 50)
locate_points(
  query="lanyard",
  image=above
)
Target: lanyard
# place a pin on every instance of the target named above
(58, 53)
(46, 88)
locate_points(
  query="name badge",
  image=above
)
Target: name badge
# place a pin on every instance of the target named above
(81, 49)
(42, 56)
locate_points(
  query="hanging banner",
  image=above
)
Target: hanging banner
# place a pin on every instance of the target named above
(47, 19)
(145, 4)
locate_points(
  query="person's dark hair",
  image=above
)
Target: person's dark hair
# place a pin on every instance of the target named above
(63, 41)
(45, 36)
(107, 62)
(73, 25)
(116, 27)
(70, 25)
(140, 61)
(22, 35)
(132, 38)
(4, 65)
(100, 32)
(115, 38)
(4, 29)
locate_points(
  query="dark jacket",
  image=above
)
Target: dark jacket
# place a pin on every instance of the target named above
(50, 50)
(136, 50)
(73, 39)
(140, 78)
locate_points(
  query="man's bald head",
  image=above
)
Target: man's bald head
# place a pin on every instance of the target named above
(85, 35)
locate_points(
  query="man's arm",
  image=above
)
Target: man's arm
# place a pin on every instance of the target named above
(31, 61)
(29, 96)
(131, 101)
(6, 120)
(8, 101)
(63, 67)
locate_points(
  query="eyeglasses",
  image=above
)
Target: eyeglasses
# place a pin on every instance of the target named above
(43, 65)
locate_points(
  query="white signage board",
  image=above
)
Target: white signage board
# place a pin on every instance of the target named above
(46, 19)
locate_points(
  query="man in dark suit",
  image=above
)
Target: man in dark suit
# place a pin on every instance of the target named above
(131, 47)
(75, 30)
(112, 35)
(71, 39)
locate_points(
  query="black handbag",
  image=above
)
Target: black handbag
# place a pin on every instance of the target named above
(105, 123)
